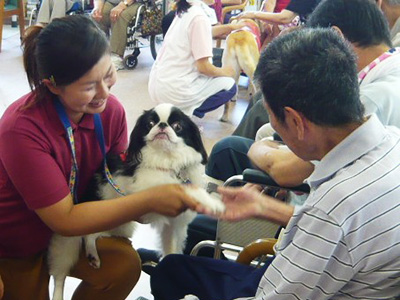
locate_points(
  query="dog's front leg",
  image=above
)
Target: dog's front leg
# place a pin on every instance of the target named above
(59, 281)
(91, 250)
(169, 240)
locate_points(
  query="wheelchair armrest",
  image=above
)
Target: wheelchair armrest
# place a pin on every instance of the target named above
(256, 249)
(260, 177)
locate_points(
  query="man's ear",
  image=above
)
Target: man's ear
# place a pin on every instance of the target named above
(296, 121)
(338, 30)
(54, 89)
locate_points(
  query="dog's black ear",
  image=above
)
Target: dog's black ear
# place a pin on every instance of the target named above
(136, 141)
(197, 141)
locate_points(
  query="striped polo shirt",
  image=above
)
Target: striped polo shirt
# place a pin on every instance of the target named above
(344, 242)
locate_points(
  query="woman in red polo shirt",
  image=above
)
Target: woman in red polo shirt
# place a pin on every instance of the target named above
(67, 61)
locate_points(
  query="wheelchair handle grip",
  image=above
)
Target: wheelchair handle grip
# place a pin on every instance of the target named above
(260, 177)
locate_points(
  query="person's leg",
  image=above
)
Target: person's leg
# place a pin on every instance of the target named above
(215, 101)
(212, 279)
(45, 11)
(119, 28)
(105, 22)
(229, 157)
(119, 272)
(253, 119)
(25, 278)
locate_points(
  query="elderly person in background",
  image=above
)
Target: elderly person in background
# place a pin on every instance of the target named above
(391, 9)
(51, 9)
(114, 17)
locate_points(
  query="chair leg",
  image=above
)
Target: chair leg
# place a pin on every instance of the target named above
(1, 21)
(21, 18)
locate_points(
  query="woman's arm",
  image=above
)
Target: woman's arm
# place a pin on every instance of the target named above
(281, 18)
(206, 68)
(97, 10)
(268, 6)
(222, 30)
(281, 164)
(68, 219)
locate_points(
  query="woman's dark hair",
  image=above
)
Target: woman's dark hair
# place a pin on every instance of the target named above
(313, 71)
(361, 21)
(63, 51)
(182, 6)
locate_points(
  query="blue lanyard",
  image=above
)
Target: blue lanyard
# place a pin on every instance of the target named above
(73, 178)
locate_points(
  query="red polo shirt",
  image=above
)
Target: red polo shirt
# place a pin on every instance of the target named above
(35, 164)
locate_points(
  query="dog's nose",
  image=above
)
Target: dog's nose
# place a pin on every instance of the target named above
(163, 125)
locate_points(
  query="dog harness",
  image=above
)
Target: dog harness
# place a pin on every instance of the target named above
(254, 30)
(73, 178)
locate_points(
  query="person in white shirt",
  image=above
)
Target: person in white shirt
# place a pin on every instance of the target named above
(391, 9)
(183, 74)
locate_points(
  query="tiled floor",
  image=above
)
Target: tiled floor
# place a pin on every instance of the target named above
(131, 89)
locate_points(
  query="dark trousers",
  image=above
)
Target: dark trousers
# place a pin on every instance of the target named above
(229, 157)
(209, 279)
(215, 101)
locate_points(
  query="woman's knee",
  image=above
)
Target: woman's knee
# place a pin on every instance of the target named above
(120, 265)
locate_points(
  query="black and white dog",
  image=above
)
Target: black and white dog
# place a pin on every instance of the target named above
(165, 147)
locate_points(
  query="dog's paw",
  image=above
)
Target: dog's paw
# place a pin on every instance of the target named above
(224, 119)
(190, 297)
(93, 261)
(212, 202)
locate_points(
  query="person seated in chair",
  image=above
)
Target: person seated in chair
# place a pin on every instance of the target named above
(340, 243)
(51, 9)
(391, 9)
(114, 16)
(370, 38)
(182, 73)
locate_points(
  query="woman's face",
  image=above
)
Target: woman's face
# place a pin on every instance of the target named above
(88, 94)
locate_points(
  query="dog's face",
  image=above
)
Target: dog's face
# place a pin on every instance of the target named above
(165, 127)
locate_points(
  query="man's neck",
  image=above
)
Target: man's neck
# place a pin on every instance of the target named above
(369, 54)
(330, 137)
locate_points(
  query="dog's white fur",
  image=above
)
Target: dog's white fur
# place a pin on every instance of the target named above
(165, 159)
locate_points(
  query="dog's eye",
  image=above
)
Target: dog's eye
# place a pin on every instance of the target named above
(176, 126)
(151, 124)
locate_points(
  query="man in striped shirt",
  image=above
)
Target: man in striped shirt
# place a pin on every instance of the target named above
(344, 242)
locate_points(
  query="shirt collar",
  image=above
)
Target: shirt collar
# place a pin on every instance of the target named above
(359, 142)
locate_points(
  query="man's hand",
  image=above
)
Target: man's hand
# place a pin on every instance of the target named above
(240, 203)
(96, 14)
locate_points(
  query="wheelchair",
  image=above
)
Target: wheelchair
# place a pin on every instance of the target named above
(135, 38)
(248, 241)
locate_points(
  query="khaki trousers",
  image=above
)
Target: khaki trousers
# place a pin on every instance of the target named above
(118, 34)
(28, 278)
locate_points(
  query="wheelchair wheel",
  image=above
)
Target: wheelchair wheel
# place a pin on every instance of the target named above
(155, 44)
(130, 61)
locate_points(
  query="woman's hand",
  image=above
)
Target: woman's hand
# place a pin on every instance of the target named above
(170, 200)
(116, 12)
